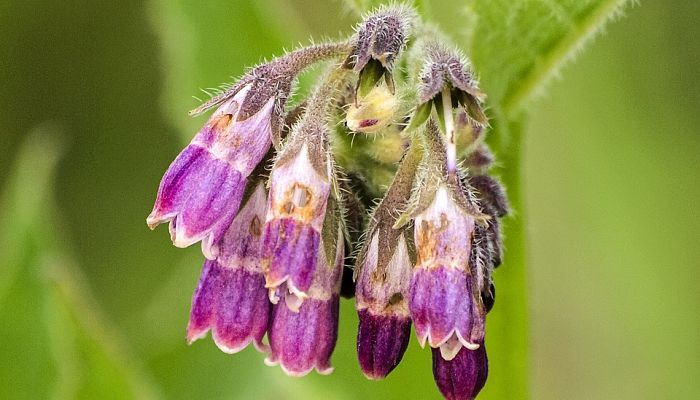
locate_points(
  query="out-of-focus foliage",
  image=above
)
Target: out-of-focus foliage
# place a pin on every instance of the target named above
(98, 304)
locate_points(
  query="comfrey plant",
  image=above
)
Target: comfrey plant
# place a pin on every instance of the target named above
(281, 200)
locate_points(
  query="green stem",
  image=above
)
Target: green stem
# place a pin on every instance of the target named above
(507, 324)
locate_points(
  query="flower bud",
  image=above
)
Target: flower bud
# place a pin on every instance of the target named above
(374, 112)
(495, 203)
(303, 334)
(479, 161)
(231, 298)
(470, 134)
(449, 70)
(491, 195)
(463, 377)
(379, 40)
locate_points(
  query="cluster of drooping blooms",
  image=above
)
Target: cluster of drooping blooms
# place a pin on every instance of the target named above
(277, 197)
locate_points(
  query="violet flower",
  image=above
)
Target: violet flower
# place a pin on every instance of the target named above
(202, 189)
(231, 299)
(445, 304)
(382, 305)
(303, 334)
(442, 303)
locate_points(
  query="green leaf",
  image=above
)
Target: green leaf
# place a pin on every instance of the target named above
(519, 45)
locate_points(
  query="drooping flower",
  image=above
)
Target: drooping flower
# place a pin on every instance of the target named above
(442, 303)
(383, 271)
(303, 333)
(231, 298)
(303, 242)
(297, 208)
(445, 304)
(301, 182)
(202, 189)
(382, 306)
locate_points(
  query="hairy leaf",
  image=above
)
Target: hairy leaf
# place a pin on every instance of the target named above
(520, 44)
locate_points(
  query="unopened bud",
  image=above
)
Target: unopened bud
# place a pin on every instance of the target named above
(374, 112)
(381, 36)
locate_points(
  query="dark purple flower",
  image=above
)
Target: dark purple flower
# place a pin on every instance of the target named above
(202, 190)
(303, 333)
(442, 303)
(231, 298)
(382, 305)
(462, 377)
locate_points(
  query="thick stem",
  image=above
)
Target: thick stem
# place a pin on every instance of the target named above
(507, 323)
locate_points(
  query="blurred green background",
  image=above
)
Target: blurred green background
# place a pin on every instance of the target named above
(94, 305)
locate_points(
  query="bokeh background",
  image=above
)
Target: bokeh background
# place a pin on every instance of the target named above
(94, 305)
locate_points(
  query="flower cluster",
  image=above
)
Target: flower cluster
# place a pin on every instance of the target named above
(277, 196)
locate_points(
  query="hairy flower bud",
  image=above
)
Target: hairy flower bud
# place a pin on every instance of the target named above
(491, 195)
(231, 298)
(448, 85)
(379, 40)
(463, 377)
(374, 112)
(470, 134)
(479, 161)
(449, 70)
